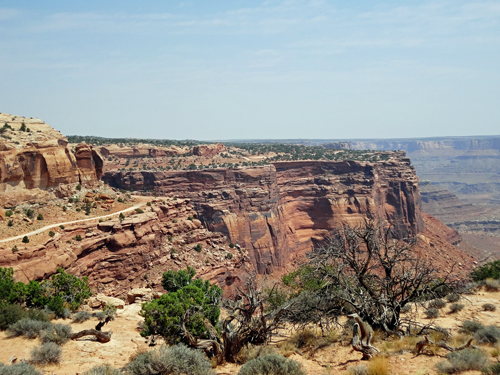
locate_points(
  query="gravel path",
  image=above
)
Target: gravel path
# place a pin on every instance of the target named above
(70, 222)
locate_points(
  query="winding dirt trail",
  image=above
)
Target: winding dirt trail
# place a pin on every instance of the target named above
(141, 198)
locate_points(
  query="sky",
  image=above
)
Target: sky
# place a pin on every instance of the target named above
(217, 69)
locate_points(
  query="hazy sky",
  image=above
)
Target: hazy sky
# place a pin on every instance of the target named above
(224, 69)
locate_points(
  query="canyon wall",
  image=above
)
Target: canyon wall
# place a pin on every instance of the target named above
(279, 210)
(35, 157)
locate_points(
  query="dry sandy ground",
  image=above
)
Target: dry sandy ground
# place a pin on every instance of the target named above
(82, 354)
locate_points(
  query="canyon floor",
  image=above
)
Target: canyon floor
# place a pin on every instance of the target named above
(82, 354)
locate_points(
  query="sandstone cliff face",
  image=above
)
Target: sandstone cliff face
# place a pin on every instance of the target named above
(281, 209)
(40, 159)
(118, 256)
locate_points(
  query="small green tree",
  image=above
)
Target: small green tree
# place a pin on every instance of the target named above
(26, 239)
(121, 217)
(188, 303)
(10, 291)
(23, 127)
(39, 217)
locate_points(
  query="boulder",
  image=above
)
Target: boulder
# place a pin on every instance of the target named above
(116, 302)
(142, 294)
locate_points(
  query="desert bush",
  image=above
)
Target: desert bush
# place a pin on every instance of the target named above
(139, 211)
(9, 213)
(272, 364)
(453, 297)
(378, 366)
(27, 327)
(198, 248)
(26, 239)
(57, 333)
(103, 370)
(493, 369)
(492, 285)
(432, 313)
(489, 307)
(81, 316)
(487, 335)
(250, 352)
(39, 217)
(40, 315)
(469, 327)
(406, 309)
(463, 360)
(490, 270)
(175, 360)
(358, 370)
(78, 237)
(9, 314)
(21, 368)
(52, 233)
(456, 307)
(436, 304)
(45, 354)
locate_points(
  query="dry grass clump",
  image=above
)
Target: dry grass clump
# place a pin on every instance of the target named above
(103, 370)
(45, 354)
(463, 360)
(307, 340)
(358, 370)
(272, 364)
(453, 297)
(436, 304)
(21, 368)
(27, 327)
(378, 366)
(493, 369)
(492, 285)
(250, 352)
(456, 307)
(432, 313)
(489, 307)
(405, 345)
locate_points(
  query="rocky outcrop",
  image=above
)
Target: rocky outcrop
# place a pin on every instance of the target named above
(285, 208)
(208, 150)
(35, 157)
(120, 255)
(140, 151)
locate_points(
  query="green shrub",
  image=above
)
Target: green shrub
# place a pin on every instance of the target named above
(10, 223)
(39, 217)
(489, 270)
(51, 233)
(21, 368)
(10, 290)
(198, 248)
(81, 316)
(9, 314)
(78, 237)
(190, 218)
(456, 307)
(469, 327)
(26, 239)
(29, 328)
(45, 354)
(487, 335)
(103, 370)
(175, 360)
(148, 204)
(37, 314)
(9, 213)
(489, 307)
(463, 360)
(61, 226)
(436, 304)
(272, 364)
(231, 245)
(453, 297)
(139, 211)
(78, 187)
(162, 315)
(432, 313)
(229, 256)
(57, 333)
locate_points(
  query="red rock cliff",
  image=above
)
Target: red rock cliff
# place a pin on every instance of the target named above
(35, 156)
(281, 209)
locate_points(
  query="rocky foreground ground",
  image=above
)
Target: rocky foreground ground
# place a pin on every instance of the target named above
(336, 358)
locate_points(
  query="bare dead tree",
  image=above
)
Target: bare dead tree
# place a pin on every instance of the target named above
(249, 322)
(368, 270)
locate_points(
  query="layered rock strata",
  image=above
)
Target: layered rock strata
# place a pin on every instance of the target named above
(120, 255)
(35, 157)
(140, 151)
(284, 208)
